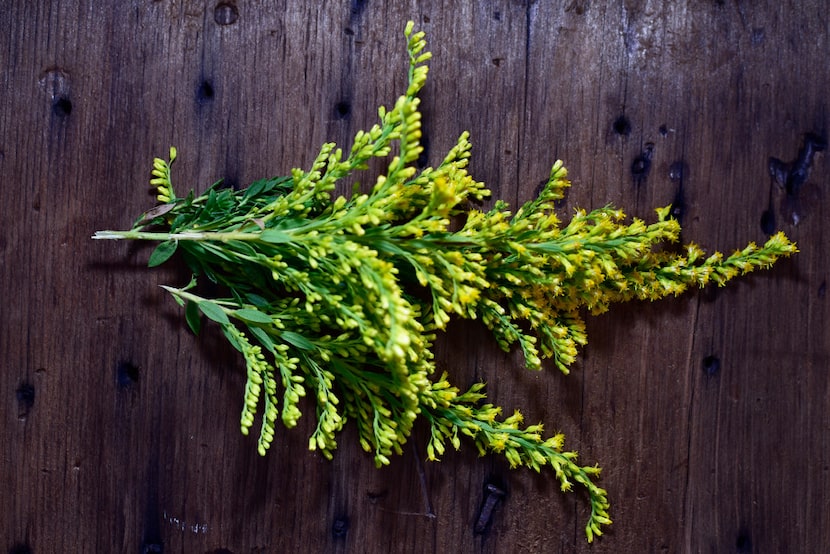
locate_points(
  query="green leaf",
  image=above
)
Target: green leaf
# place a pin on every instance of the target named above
(214, 312)
(162, 253)
(253, 316)
(224, 200)
(226, 330)
(267, 188)
(191, 284)
(388, 247)
(297, 340)
(193, 317)
(175, 294)
(218, 251)
(274, 236)
(215, 185)
(242, 247)
(263, 337)
(256, 300)
(257, 187)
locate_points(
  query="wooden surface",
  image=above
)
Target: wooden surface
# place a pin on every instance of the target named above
(708, 413)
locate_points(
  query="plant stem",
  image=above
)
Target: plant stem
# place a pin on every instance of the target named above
(189, 235)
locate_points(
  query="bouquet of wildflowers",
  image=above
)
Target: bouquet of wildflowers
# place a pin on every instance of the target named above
(339, 298)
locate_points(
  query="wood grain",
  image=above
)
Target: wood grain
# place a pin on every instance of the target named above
(707, 412)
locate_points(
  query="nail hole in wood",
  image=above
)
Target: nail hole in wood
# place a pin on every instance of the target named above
(225, 13)
(62, 106)
(677, 171)
(743, 543)
(25, 395)
(204, 93)
(711, 365)
(340, 527)
(768, 222)
(642, 164)
(622, 126)
(126, 373)
(678, 205)
(343, 109)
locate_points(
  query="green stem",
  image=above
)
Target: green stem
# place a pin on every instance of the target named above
(189, 235)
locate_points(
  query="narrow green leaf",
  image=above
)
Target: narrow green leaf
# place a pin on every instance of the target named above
(210, 204)
(215, 185)
(179, 221)
(242, 247)
(256, 188)
(162, 253)
(218, 250)
(193, 317)
(253, 316)
(263, 337)
(224, 200)
(297, 340)
(214, 312)
(231, 338)
(174, 292)
(274, 236)
(256, 300)
(388, 247)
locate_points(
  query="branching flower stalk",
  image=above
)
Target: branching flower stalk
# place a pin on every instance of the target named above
(340, 297)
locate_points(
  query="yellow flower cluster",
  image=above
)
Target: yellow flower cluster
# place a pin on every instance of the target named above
(161, 178)
(340, 298)
(450, 413)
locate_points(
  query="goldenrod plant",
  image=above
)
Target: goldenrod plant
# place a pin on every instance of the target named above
(339, 297)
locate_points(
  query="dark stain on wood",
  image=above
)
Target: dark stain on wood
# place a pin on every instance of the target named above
(342, 109)
(25, 395)
(641, 166)
(622, 126)
(743, 542)
(340, 527)
(204, 92)
(62, 106)
(126, 374)
(711, 365)
(791, 177)
(678, 172)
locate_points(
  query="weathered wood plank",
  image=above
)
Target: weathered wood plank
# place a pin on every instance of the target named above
(707, 412)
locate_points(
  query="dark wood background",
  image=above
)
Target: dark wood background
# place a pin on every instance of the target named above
(708, 413)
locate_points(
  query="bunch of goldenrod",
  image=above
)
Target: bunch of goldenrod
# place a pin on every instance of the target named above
(339, 298)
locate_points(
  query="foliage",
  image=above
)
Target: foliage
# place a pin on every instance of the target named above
(339, 298)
